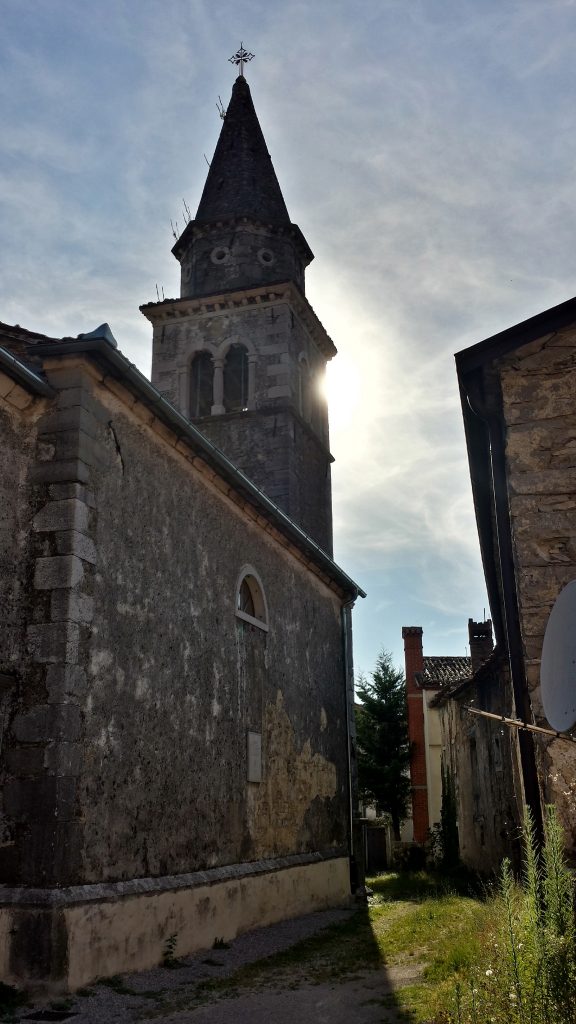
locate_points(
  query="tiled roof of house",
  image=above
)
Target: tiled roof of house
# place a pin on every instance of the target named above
(439, 671)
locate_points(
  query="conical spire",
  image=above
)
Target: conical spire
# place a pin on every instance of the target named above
(241, 181)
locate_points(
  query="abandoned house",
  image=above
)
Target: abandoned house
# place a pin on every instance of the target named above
(175, 649)
(425, 678)
(457, 751)
(517, 391)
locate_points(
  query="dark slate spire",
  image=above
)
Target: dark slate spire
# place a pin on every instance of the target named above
(241, 181)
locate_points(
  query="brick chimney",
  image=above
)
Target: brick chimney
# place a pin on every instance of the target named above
(481, 642)
(414, 662)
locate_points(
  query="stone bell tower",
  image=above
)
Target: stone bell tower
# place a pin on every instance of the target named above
(241, 353)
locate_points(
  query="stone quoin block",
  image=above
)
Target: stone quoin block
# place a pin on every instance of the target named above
(58, 571)
(71, 606)
(66, 683)
(24, 761)
(72, 490)
(69, 514)
(75, 543)
(63, 759)
(51, 472)
(76, 417)
(53, 642)
(38, 797)
(48, 722)
(6, 385)
(19, 397)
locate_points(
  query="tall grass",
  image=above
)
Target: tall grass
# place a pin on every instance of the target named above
(527, 973)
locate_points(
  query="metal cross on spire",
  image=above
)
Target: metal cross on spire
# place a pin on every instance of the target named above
(240, 58)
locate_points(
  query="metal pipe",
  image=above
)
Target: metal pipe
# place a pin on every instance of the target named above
(516, 724)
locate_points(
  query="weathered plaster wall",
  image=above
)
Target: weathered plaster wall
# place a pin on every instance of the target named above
(538, 387)
(60, 940)
(130, 934)
(483, 758)
(175, 682)
(433, 741)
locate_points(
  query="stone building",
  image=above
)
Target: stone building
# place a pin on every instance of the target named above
(175, 652)
(517, 391)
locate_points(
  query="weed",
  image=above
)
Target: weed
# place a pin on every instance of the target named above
(527, 971)
(168, 953)
(116, 983)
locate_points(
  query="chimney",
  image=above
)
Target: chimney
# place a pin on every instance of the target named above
(413, 656)
(481, 643)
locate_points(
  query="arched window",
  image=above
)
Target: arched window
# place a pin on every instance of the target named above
(250, 600)
(201, 385)
(236, 379)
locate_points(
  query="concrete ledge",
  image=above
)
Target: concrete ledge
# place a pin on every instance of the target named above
(124, 929)
(103, 891)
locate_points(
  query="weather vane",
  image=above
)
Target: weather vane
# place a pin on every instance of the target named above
(240, 58)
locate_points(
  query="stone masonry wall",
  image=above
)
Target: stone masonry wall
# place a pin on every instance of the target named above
(19, 413)
(483, 758)
(175, 681)
(281, 442)
(220, 259)
(538, 387)
(278, 452)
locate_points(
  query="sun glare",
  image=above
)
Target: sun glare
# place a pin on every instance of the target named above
(342, 391)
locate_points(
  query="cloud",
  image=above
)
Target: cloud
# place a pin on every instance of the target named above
(427, 152)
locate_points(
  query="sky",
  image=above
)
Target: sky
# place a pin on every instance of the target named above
(427, 150)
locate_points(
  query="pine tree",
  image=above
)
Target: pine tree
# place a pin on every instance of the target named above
(382, 740)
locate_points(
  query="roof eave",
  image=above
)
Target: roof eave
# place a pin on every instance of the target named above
(23, 375)
(500, 344)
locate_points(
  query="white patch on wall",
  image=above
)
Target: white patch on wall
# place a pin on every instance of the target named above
(254, 757)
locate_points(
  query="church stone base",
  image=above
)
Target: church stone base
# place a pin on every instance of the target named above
(58, 940)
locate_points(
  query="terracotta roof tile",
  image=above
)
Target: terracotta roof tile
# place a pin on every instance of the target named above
(440, 671)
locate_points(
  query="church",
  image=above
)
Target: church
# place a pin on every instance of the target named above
(176, 684)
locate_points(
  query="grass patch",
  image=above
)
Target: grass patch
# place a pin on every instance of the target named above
(415, 918)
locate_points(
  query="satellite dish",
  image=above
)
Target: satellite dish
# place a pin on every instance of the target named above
(558, 667)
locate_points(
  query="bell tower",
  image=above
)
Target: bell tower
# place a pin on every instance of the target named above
(241, 353)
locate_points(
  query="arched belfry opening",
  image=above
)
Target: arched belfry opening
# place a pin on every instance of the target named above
(201, 385)
(236, 379)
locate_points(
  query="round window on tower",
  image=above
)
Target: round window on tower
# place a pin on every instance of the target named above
(265, 257)
(220, 254)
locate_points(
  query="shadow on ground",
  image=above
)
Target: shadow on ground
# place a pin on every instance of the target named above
(366, 964)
